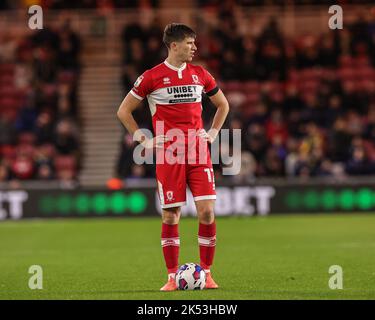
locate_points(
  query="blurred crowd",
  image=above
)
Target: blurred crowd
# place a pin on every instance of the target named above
(305, 105)
(218, 3)
(100, 5)
(112, 4)
(38, 106)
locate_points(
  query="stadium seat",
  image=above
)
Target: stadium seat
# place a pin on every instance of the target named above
(7, 69)
(309, 87)
(8, 102)
(25, 149)
(9, 91)
(347, 74)
(234, 86)
(251, 86)
(26, 138)
(65, 166)
(8, 151)
(48, 150)
(365, 73)
(11, 112)
(363, 61)
(312, 74)
(6, 80)
(370, 149)
(252, 98)
(346, 61)
(293, 75)
(65, 162)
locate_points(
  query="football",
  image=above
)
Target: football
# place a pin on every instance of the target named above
(190, 276)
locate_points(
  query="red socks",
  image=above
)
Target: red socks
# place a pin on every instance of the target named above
(170, 242)
(207, 243)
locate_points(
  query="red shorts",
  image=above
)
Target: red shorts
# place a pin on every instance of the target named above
(172, 180)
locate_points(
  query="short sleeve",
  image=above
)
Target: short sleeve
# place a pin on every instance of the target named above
(142, 86)
(210, 86)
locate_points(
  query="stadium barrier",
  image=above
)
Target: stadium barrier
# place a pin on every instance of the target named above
(232, 199)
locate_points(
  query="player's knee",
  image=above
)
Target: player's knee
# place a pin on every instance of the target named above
(170, 219)
(206, 215)
(171, 216)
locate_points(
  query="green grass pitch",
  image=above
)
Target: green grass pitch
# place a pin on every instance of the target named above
(274, 257)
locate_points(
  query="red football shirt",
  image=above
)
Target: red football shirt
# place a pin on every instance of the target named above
(175, 94)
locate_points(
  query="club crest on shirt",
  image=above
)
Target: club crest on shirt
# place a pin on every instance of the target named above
(138, 81)
(170, 195)
(195, 78)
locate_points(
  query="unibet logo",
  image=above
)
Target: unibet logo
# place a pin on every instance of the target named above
(242, 200)
(11, 204)
(329, 199)
(99, 203)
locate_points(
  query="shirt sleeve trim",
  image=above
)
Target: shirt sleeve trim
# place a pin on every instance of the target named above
(135, 95)
(213, 91)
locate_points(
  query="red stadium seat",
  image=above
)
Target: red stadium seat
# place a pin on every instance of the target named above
(66, 166)
(365, 73)
(9, 91)
(8, 151)
(251, 86)
(66, 77)
(252, 98)
(347, 74)
(309, 86)
(26, 138)
(271, 86)
(11, 113)
(310, 74)
(363, 61)
(6, 80)
(346, 61)
(48, 150)
(293, 75)
(370, 149)
(65, 162)
(25, 149)
(7, 69)
(234, 86)
(10, 104)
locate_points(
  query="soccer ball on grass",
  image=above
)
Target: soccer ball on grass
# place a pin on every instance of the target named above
(190, 276)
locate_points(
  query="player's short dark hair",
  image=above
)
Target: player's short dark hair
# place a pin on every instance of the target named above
(175, 32)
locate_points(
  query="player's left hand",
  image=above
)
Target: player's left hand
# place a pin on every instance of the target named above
(209, 136)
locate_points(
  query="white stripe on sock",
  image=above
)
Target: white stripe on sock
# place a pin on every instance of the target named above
(209, 242)
(170, 242)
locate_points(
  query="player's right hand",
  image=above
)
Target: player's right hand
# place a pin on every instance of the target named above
(156, 142)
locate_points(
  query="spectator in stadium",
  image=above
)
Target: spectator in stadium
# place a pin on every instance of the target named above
(44, 172)
(44, 128)
(4, 172)
(338, 141)
(8, 46)
(256, 142)
(26, 118)
(69, 48)
(65, 138)
(359, 164)
(43, 156)
(125, 160)
(276, 129)
(7, 130)
(23, 167)
(369, 130)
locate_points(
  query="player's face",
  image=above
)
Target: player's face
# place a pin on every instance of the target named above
(186, 49)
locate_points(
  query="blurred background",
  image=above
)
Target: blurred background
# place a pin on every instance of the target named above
(302, 94)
